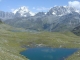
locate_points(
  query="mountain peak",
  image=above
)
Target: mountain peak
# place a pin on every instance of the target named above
(62, 10)
(23, 12)
(21, 9)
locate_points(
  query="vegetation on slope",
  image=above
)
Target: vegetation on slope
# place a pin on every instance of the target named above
(12, 43)
(9, 47)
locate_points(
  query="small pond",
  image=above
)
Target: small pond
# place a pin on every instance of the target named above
(46, 53)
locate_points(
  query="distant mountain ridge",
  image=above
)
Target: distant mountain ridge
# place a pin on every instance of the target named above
(20, 12)
(25, 12)
(6, 15)
(62, 10)
(58, 18)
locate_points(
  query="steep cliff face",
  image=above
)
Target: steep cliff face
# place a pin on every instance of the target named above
(76, 30)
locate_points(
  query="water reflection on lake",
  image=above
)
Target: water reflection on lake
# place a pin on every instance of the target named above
(46, 53)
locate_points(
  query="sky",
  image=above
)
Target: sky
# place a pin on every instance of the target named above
(36, 5)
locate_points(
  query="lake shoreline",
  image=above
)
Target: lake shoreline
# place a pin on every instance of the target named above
(50, 48)
(40, 45)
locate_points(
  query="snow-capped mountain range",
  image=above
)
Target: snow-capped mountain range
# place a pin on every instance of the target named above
(58, 18)
(25, 12)
(56, 10)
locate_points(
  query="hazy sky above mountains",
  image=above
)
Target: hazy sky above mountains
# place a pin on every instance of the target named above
(36, 5)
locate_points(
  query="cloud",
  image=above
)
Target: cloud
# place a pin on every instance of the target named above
(41, 8)
(75, 4)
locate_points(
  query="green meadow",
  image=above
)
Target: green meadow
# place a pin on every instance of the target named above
(12, 43)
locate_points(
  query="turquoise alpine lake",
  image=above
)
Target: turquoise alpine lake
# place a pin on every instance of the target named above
(46, 53)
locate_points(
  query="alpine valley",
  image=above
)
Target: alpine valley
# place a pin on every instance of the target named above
(57, 28)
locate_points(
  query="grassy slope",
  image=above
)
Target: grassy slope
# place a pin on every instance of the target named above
(9, 47)
(11, 42)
